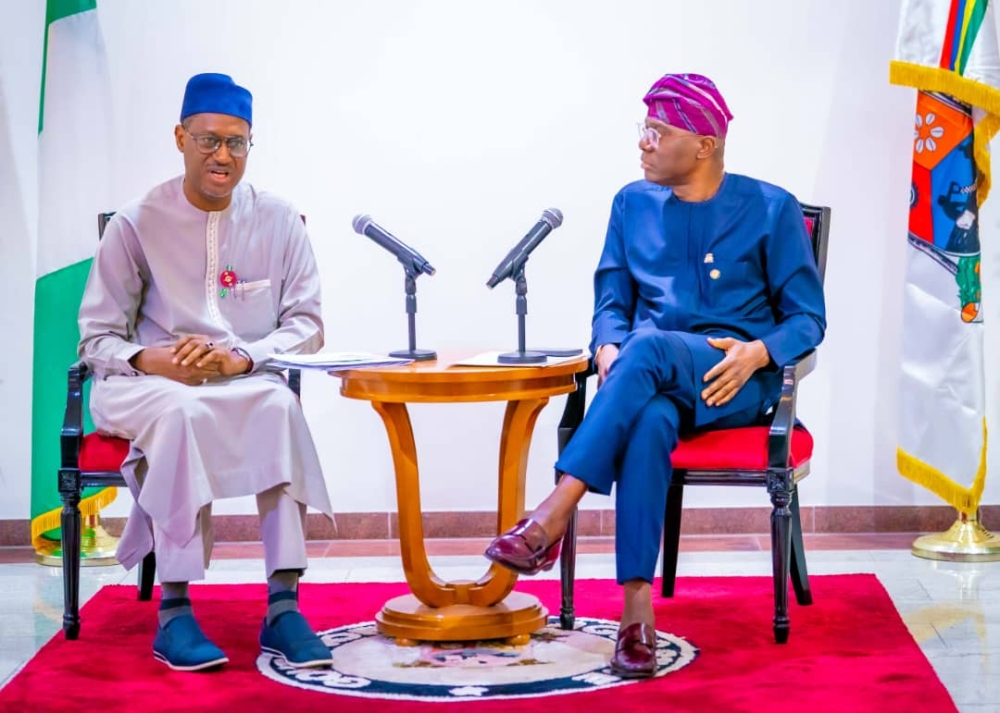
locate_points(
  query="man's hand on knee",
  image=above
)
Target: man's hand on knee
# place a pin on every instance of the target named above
(606, 354)
(726, 378)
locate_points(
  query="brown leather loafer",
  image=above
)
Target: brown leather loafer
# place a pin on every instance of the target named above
(635, 652)
(524, 549)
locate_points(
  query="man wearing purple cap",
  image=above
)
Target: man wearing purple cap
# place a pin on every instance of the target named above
(193, 286)
(706, 288)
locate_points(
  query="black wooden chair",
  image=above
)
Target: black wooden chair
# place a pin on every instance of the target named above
(775, 455)
(94, 460)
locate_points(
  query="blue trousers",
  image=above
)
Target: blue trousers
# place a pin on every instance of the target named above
(628, 434)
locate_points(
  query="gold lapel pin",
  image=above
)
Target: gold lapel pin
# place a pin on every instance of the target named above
(709, 257)
(714, 274)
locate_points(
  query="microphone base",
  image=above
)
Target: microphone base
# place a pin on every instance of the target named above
(560, 352)
(415, 354)
(522, 358)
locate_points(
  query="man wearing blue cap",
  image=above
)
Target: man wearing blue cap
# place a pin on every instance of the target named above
(193, 286)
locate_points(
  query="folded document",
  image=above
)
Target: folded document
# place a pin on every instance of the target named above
(334, 361)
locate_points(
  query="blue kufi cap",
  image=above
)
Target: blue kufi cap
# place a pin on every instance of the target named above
(216, 94)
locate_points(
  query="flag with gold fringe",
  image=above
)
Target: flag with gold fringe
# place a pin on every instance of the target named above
(74, 135)
(947, 50)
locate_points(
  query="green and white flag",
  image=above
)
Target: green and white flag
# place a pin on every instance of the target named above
(74, 137)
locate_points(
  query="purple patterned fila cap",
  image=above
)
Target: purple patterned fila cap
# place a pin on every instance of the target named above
(690, 102)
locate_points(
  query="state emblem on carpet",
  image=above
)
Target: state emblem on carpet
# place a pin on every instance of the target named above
(554, 661)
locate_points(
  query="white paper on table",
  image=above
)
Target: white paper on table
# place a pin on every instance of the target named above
(334, 361)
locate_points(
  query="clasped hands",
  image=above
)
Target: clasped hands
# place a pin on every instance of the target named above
(724, 380)
(193, 360)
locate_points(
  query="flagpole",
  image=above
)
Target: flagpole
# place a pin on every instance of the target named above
(965, 541)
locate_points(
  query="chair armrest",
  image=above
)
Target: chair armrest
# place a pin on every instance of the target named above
(576, 404)
(71, 436)
(803, 366)
(779, 439)
(295, 381)
(572, 415)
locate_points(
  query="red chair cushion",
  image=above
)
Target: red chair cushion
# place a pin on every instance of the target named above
(102, 453)
(736, 449)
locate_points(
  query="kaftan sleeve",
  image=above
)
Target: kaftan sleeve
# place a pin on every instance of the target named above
(614, 286)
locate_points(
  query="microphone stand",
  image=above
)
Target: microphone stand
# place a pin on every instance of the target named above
(411, 318)
(521, 356)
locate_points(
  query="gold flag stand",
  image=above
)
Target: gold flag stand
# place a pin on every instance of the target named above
(965, 541)
(97, 547)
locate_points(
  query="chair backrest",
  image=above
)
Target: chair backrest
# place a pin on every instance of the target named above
(102, 223)
(818, 225)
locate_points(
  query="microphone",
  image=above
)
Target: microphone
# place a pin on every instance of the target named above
(551, 219)
(364, 225)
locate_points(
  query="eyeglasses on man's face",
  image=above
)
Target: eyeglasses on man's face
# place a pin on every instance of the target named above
(649, 135)
(237, 146)
(652, 136)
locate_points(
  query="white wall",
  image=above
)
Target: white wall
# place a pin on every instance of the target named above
(20, 74)
(454, 124)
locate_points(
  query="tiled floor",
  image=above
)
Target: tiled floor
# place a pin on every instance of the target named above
(952, 609)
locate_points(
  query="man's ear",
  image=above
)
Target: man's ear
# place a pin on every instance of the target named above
(707, 146)
(179, 137)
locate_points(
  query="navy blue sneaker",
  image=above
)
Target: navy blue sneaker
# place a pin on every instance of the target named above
(182, 646)
(291, 637)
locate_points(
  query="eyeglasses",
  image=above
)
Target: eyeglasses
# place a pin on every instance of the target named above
(648, 134)
(652, 136)
(237, 146)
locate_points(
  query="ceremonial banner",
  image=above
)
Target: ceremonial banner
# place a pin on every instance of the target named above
(947, 49)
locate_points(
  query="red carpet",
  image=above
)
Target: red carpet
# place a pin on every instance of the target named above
(848, 652)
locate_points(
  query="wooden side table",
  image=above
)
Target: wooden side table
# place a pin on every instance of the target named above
(486, 608)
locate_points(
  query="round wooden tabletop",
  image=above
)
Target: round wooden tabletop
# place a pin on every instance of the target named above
(445, 381)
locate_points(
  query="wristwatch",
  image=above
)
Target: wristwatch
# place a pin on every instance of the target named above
(240, 351)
